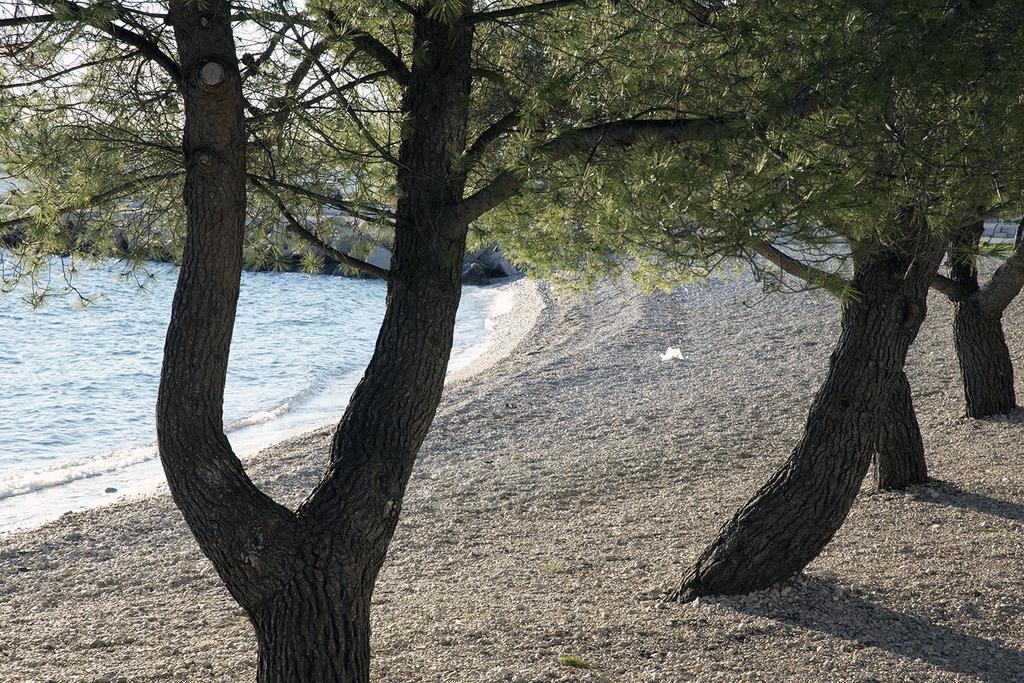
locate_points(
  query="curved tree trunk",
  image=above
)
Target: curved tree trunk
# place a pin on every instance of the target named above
(984, 359)
(235, 524)
(306, 578)
(350, 517)
(900, 449)
(793, 516)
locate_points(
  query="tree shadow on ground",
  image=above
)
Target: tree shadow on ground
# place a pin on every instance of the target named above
(823, 606)
(1015, 416)
(940, 492)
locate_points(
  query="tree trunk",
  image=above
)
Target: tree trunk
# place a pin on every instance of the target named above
(900, 449)
(306, 578)
(985, 365)
(792, 517)
(315, 629)
(982, 354)
(235, 524)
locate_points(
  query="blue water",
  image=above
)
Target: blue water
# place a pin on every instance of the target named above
(78, 385)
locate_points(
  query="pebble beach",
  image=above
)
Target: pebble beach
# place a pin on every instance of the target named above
(570, 477)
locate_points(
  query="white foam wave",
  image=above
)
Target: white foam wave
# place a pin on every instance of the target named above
(504, 303)
(68, 472)
(264, 416)
(259, 417)
(95, 466)
(109, 463)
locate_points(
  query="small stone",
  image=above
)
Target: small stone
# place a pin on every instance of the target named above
(110, 489)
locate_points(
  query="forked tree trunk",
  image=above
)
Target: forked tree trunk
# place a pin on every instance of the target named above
(793, 516)
(306, 577)
(900, 449)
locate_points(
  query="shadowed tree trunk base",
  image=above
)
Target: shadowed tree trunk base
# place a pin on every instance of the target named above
(985, 364)
(793, 517)
(901, 461)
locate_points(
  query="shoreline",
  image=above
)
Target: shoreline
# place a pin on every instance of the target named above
(565, 484)
(42, 496)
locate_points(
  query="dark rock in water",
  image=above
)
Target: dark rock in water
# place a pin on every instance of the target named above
(110, 489)
(494, 262)
(474, 274)
(487, 264)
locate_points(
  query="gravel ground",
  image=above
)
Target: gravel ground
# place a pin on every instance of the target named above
(567, 482)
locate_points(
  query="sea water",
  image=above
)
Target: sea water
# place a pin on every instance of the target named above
(78, 383)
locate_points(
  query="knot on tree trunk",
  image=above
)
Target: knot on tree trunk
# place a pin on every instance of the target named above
(211, 73)
(911, 314)
(205, 160)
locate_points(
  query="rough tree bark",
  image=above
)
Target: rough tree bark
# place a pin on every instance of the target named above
(233, 522)
(348, 521)
(795, 514)
(306, 577)
(984, 359)
(899, 447)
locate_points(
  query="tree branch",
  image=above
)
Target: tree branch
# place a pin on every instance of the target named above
(365, 213)
(146, 47)
(354, 117)
(296, 227)
(489, 136)
(535, 8)
(385, 57)
(809, 274)
(100, 197)
(1004, 285)
(362, 40)
(948, 286)
(253, 64)
(614, 134)
(313, 53)
(71, 69)
(28, 20)
(367, 43)
(281, 112)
